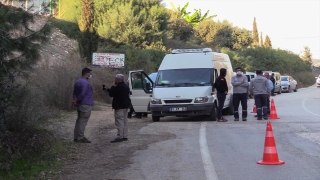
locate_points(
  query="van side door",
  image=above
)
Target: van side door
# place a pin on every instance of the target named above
(141, 87)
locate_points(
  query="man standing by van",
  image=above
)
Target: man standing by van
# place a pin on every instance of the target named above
(240, 94)
(259, 87)
(120, 103)
(222, 91)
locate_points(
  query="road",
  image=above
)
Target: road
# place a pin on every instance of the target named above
(206, 150)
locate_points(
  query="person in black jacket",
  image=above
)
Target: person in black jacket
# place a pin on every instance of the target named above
(274, 84)
(120, 103)
(222, 91)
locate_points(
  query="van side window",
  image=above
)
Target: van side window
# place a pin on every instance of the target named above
(215, 75)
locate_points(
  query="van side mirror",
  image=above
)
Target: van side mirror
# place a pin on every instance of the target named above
(148, 87)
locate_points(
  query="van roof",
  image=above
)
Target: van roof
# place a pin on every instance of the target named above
(192, 60)
(200, 50)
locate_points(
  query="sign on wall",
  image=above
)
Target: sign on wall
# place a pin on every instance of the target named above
(110, 60)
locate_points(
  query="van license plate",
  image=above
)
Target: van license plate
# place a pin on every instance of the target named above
(178, 109)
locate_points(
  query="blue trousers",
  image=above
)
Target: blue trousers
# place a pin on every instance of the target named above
(221, 98)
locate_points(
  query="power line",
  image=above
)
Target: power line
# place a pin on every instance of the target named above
(298, 37)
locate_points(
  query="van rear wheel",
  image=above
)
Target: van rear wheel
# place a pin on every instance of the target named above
(155, 118)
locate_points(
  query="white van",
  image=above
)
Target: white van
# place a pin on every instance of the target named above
(184, 84)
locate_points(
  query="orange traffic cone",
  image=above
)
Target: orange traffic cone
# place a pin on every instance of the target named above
(254, 109)
(273, 111)
(270, 155)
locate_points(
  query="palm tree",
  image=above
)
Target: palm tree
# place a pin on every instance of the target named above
(195, 18)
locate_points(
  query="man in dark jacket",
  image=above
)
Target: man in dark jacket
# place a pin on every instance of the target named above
(274, 84)
(120, 103)
(222, 91)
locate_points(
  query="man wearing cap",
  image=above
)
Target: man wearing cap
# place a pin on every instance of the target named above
(120, 103)
(259, 87)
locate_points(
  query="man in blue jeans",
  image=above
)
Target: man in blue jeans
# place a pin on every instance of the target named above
(240, 94)
(222, 91)
(259, 87)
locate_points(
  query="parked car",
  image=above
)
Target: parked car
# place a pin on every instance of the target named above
(318, 81)
(153, 76)
(288, 84)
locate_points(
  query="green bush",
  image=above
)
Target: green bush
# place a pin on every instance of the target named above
(22, 137)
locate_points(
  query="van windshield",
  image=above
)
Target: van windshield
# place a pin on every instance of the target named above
(184, 77)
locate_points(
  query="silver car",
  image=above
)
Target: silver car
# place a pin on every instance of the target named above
(288, 84)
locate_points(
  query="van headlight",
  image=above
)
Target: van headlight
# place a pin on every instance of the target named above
(155, 101)
(201, 99)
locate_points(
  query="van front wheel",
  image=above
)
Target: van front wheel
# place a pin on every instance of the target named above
(213, 114)
(155, 118)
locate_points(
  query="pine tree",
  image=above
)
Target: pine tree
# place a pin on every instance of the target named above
(261, 40)
(88, 42)
(267, 42)
(255, 34)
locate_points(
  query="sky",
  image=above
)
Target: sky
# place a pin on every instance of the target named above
(290, 24)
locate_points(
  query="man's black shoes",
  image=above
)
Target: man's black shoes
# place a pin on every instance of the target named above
(83, 140)
(117, 140)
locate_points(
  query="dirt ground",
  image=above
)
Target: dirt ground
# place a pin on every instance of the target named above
(101, 160)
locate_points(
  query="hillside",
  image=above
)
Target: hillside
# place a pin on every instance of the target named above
(58, 46)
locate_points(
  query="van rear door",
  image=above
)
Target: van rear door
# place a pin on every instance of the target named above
(141, 87)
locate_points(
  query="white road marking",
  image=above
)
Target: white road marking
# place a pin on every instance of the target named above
(305, 108)
(205, 154)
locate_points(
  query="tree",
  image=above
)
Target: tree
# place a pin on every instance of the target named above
(306, 55)
(206, 30)
(178, 28)
(255, 34)
(195, 18)
(222, 34)
(19, 51)
(261, 40)
(267, 42)
(20, 42)
(137, 23)
(88, 43)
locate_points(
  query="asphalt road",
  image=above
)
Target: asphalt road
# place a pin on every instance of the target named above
(206, 150)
